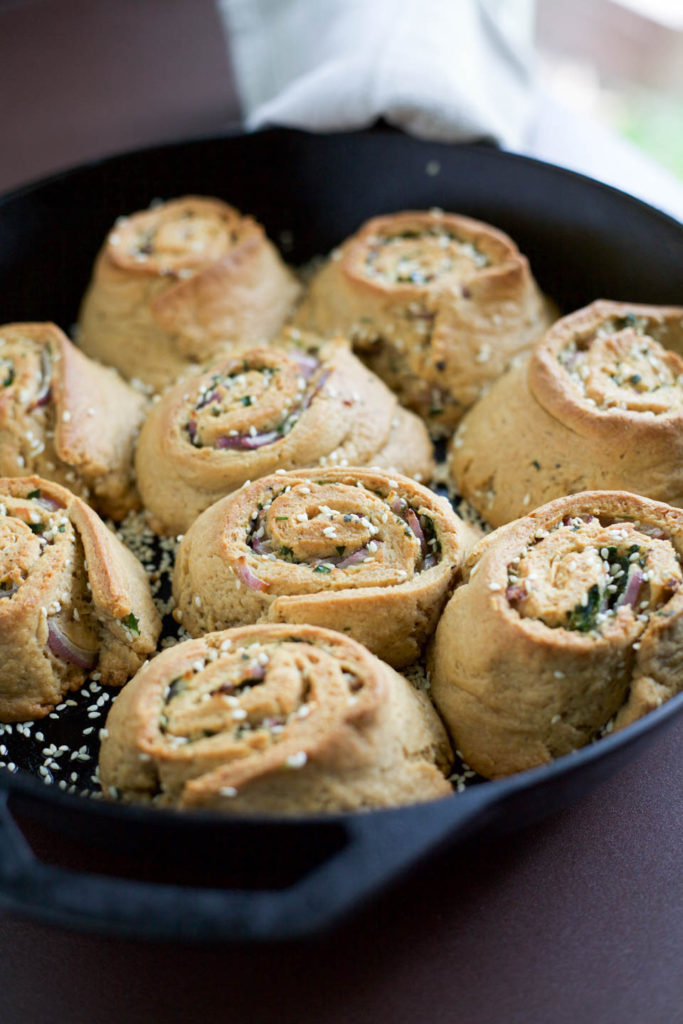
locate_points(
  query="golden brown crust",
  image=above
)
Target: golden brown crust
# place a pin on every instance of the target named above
(302, 403)
(438, 304)
(275, 719)
(598, 405)
(179, 283)
(72, 599)
(357, 550)
(566, 618)
(66, 418)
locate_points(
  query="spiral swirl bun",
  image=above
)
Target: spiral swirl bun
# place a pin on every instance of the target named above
(437, 303)
(275, 718)
(179, 283)
(72, 599)
(264, 409)
(567, 618)
(66, 418)
(598, 405)
(350, 549)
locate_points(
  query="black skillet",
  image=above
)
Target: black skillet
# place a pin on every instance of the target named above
(202, 876)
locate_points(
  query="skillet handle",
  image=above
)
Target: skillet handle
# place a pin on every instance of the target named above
(378, 849)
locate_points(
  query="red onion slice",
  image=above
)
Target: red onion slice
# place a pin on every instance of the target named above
(261, 547)
(207, 399)
(247, 576)
(45, 391)
(414, 524)
(354, 559)
(309, 398)
(630, 595)
(64, 648)
(652, 531)
(254, 673)
(247, 442)
(306, 363)
(49, 503)
(43, 398)
(403, 509)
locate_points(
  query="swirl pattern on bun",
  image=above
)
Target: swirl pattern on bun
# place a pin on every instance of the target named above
(66, 418)
(273, 719)
(177, 284)
(270, 408)
(599, 405)
(569, 621)
(437, 303)
(351, 549)
(72, 599)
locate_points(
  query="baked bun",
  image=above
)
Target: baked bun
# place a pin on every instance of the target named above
(176, 284)
(567, 618)
(66, 418)
(438, 305)
(599, 405)
(276, 719)
(350, 549)
(267, 408)
(72, 599)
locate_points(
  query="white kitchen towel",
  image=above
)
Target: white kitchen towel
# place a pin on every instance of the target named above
(441, 69)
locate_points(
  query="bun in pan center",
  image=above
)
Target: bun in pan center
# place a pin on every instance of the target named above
(353, 549)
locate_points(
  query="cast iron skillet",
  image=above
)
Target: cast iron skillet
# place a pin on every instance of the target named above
(201, 876)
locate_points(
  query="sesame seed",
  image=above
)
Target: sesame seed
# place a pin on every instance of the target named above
(297, 760)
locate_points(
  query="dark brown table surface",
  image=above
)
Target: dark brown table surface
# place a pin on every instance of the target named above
(577, 919)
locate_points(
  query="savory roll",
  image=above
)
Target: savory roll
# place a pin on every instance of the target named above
(67, 418)
(599, 405)
(437, 304)
(569, 621)
(72, 599)
(178, 283)
(276, 719)
(351, 549)
(265, 409)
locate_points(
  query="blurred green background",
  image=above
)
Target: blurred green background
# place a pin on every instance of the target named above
(620, 62)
